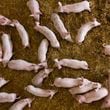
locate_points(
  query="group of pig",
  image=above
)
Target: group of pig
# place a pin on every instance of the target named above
(82, 89)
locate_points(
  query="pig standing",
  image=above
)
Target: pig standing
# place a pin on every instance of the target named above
(75, 8)
(84, 29)
(24, 65)
(23, 33)
(7, 97)
(71, 63)
(40, 92)
(38, 78)
(21, 104)
(48, 34)
(3, 82)
(7, 48)
(33, 6)
(92, 96)
(42, 50)
(5, 21)
(58, 24)
(106, 50)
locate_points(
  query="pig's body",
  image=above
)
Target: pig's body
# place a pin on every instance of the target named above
(3, 82)
(58, 24)
(48, 34)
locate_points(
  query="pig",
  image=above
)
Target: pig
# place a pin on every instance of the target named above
(40, 92)
(71, 63)
(67, 82)
(7, 97)
(58, 24)
(106, 102)
(106, 49)
(20, 64)
(74, 8)
(48, 34)
(85, 88)
(42, 50)
(22, 33)
(33, 6)
(3, 82)
(5, 21)
(1, 52)
(38, 78)
(84, 29)
(21, 104)
(92, 96)
(7, 48)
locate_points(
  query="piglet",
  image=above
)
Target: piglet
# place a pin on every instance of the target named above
(21, 104)
(38, 78)
(7, 48)
(7, 97)
(84, 29)
(85, 88)
(5, 21)
(92, 96)
(33, 6)
(24, 65)
(42, 50)
(48, 34)
(106, 102)
(58, 24)
(106, 49)
(75, 8)
(71, 63)
(3, 82)
(22, 33)
(40, 92)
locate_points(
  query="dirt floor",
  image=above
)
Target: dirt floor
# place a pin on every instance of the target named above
(90, 50)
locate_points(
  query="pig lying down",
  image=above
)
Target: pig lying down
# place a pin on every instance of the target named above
(75, 8)
(42, 50)
(92, 96)
(39, 77)
(21, 104)
(40, 92)
(24, 65)
(33, 6)
(106, 50)
(23, 33)
(84, 29)
(85, 88)
(7, 48)
(3, 82)
(71, 63)
(48, 34)
(5, 21)
(58, 24)
(7, 97)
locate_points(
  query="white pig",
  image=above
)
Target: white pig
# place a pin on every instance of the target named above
(33, 6)
(21, 104)
(40, 92)
(58, 24)
(106, 50)
(42, 50)
(5, 21)
(3, 82)
(48, 34)
(38, 78)
(85, 88)
(7, 48)
(24, 65)
(67, 82)
(75, 8)
(84, 29)
(22, 33)
(7, 97)
(92, 96)
(1, 52)
(71, 63)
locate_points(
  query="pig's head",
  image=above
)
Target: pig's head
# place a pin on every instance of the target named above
(68, 37)
(84, 65)
(80, 98)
